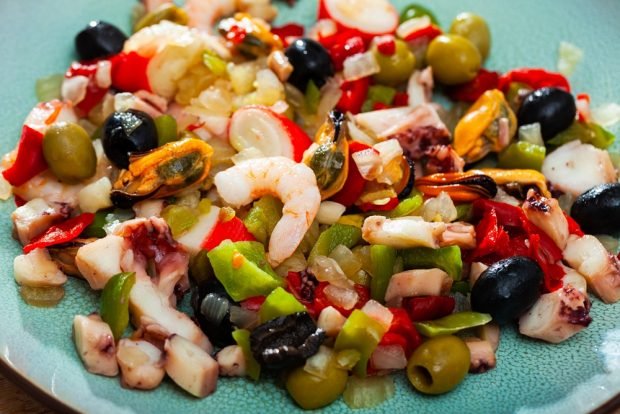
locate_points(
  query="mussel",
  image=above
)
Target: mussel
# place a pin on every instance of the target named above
(488, 125)
(598, 209)
(257, 39)
(162, 172)
(517, 181)
(467, 186)
(330, 159)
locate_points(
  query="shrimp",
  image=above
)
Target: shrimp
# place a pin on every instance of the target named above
(294, 184)
(204, 13)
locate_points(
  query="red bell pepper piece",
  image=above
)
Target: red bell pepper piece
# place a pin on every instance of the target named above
(428, 308)
(390, 205)
(386, 45)
(377, 106)
(61, 233)
(427, 32)
(288, 30)
(129, 72)
(470, 92)
(253, 304)
(354, 185)
(94, 94)
(583, 107)
(533, 77)
(573, 226)
(345, 47)
(552, 271)
(400, 99)
(29, 160)
(233, 230)
(402, 332)
(353, 95)
(300, 141)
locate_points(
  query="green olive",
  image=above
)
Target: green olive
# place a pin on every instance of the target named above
(453, 58)
(395, 68)
(311, 392)
(69, 152)
(438, 365)
(414, 11)
(475, 29)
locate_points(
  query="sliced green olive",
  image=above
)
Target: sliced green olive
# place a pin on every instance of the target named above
(438, 365)
(115, 302)
(69, 152)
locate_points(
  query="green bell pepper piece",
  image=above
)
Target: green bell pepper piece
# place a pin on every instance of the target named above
(361, 333)
(243, 270)
(356, 220)
(242, 338)
(382, 260)
(461, 286)
(215, 63)
(447, 259)
(312, 97)
(105, 217)
(166, 127)
(378, 94)
(464, 212)
(336, 234)
(453, 323)
(522, 154)
(263, 217)
(279, 303)
(413, 11)
(588, 133)
(114, 307)
(407, 206)
(179, 218)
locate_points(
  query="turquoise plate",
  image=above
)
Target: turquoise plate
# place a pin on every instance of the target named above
(35, 344)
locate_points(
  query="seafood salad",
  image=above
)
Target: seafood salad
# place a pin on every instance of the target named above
(253, 200)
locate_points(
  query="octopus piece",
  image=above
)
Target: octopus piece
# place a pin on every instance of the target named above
(98, 261)
(574, 168)
(547, 214)
(601, 270)
(420, 87)
(442, 159)
(294, 184)
(36, 216)
(458, 234)
(190, 367)
(403, 232)
(417, 282)
(141, 364)
(558, 315)
(231, 361)
(37, 269)
(481, 355)
(95, 345)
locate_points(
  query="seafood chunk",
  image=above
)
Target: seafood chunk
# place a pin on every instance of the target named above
(574, 168)
(481, 355)
(558, 315)
(466, 186)
(418, 282)
(403, 232)
(33, 218)
(141, 364)
(231, 361)
(547, 214)
(190, 367)
(602, 271)
(37, 269)
(95, 345)
(294, 184)
(100, 260)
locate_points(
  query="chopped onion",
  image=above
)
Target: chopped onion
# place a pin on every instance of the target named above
(440, 208)
(347, 261)
(326, 269)
(379, 313)
(330, 212)
(412, 25)
(323, 28)
(318, 364)
(504, 197)
(330, 95)
(388, 357)
(331, 321)
(245, 154)
(344, 298)
(607, 114)
(368, 392)
(243, 318)
(95, 196)
(74, 89)
(49, 87)
(6, 190)
(360, 66)
(531, 133)
(569, 57)
(103, 75)
(368, 163)
(279, 107)
(358, 135)
(566, 201)
(348, 358)
(295, 263)
(42, 296)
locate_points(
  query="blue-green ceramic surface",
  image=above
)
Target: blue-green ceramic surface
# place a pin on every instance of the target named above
(572, 377)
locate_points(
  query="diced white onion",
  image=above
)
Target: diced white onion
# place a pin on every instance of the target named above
(74, 89)
(360, 66)
(531, 133)
(569, 57)
(95, 196)
(103, 75)
(368, 392)
(330, 95)
(318, 364)
(412, 25)
(330, 212)
(368, 163)
(326, 269)
(440, 208)
(389, 150)
(607, 114)
(342, 297)
(6, 190)
(323, 28)
(348, 262)
(331, 321)
(388, 357)
(379, 313)
(358, 135)
(295, 263)
(280, 107)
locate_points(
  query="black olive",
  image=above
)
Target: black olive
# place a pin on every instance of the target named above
(286, 342)
(127, 132)
(211, 305)
(406, 191)
(598, 210)
(507, 288)
(554, 109)
(310, 61)
(98, 40)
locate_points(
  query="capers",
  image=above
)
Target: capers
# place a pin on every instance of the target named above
(507, 288)
(554, 109)
(475, 29)
(454, 59)
(598, 210)
(69, 152)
